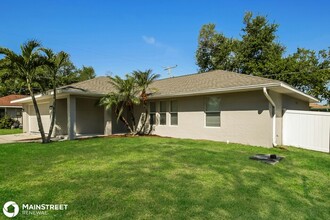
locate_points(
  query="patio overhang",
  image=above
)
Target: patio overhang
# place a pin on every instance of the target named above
(61, 93)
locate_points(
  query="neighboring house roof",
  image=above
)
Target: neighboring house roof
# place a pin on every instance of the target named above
(319, 107)
(6, 101)
(217, 81)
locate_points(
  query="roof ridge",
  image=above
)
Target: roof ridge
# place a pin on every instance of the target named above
(83, 82)
(212, 71)
(252, 76)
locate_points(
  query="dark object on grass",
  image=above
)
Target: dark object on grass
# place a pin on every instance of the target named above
(267, 158)
(272, 156)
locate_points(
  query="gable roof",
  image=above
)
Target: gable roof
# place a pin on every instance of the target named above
(5, 101)
(202, 82)
(181, 84)
(217, 81)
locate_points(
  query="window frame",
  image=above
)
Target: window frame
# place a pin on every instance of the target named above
(160, 112)
(174, 112)
(153, 113)
(206, 112)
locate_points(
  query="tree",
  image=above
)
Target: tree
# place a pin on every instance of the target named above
(85, 73)
(55, 62)
(25, 65)
(258, 53)
(130, 91)
(125, 97)
(9, 84)
(309, 72)
(143, 81)
(215, 51)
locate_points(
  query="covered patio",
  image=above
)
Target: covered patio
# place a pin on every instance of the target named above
(76, 116)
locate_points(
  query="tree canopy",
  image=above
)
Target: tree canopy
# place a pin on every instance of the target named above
(37, 69)
(130, 91)
(259, 53)
(12, 83)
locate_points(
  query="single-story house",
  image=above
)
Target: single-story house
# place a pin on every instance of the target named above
(14, 110)
(217, 105)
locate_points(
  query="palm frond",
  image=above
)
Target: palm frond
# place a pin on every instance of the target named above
(29, 47)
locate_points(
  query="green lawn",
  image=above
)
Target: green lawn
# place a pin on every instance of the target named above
(163, 178)
(10, 131)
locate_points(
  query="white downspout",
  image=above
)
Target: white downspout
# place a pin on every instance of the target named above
(274, 116)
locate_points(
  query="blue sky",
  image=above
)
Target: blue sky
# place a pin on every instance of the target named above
(120, 36)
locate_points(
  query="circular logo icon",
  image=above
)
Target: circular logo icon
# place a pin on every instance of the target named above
(10, 209)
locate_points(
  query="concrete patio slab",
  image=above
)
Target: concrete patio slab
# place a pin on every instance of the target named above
(13, 138)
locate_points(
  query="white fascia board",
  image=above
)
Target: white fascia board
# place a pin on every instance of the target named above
(311, 98)
(10, 106)
(26, 99)
(68, 92)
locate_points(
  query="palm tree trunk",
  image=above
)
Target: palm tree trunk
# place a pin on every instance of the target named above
(36, 108)
(131, 110)
(145, 118)
(121, 118)
(53, 113)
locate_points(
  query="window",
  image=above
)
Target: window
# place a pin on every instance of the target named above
(152, 115)
(212, 112)
(162, 113)
(2, 113)
(19, 113)
(174, 112)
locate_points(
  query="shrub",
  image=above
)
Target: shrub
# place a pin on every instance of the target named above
(6, 122)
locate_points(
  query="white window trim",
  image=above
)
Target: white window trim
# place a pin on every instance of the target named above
(205, 103)
(155, 112)
(177, 112)
(166, 113)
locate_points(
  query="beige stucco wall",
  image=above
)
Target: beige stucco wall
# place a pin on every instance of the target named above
(277, 99)
(117, 125)
(30, 123)
(25, 118)
(89, 116)
(294, 104)
(61, 126)
(245, 118)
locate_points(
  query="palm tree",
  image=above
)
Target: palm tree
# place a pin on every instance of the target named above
(115, 100)
(54, 64)
(130, 91)
(143, 80)
(26, 65)
(125, 97)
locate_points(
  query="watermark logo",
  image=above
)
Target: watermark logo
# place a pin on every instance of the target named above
(10, 209)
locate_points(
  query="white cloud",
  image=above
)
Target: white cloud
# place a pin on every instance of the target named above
(149, 40)
(166, 49)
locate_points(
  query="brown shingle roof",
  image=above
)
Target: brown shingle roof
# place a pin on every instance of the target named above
(99, 85)
(207, 81)
(186, 84)
(5, 101)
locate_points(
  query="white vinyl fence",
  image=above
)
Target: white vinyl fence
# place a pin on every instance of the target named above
(307, 129)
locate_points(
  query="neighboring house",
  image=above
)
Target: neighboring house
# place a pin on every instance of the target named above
(14, 110)
(217, 105)
(318, 107)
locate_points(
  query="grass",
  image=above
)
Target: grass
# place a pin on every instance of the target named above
(10, 131)
(163, 178)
